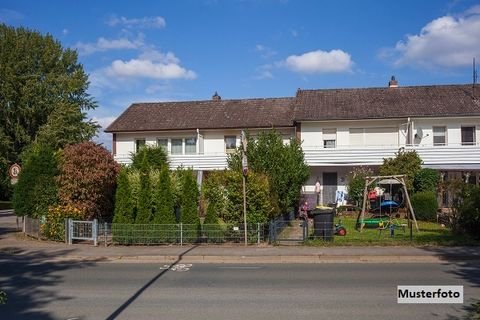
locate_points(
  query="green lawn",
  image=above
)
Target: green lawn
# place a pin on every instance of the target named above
(430, 234)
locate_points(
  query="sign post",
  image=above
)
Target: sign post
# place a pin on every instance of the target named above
(245, 172)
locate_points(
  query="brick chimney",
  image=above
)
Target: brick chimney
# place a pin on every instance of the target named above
(216, 97)
(393, 83)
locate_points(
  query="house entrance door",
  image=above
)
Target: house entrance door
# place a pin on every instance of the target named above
(329, 187)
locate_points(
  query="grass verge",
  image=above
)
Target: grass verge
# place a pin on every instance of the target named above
(429, 234)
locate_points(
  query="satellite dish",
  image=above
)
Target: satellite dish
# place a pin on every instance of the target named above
(419, 134)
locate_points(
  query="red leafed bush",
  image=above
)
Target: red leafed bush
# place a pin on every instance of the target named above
(87, 180)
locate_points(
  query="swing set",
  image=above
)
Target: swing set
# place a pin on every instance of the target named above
(383, 206)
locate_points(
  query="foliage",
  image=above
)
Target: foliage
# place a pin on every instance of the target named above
(87, 180)
(36, 188)
(189, 198)
(189, 205)
(425, 205)
(156, 158)
(284, 165)
(124, 204)
(406, 163)
(43, 93)
(5, 148)
(457, 189)
(144, 204)
(3, 297)
(426, 180)
(224, 189)
(54, 226)
(469, 218)
(163, 199)
(211, 217)
(356, 184)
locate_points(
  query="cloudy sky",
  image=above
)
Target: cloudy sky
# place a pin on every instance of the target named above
(139, 51)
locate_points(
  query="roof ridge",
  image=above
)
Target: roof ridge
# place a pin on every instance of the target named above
(385, 88)
(214, 101)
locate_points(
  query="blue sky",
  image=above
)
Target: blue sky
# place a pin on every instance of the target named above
(139, 51)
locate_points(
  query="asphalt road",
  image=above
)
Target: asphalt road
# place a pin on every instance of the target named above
(66, 290)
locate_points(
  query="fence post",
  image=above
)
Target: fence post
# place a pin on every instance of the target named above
(105, 233)
(181, 234)
(258, 232)
(95, 232)
(24, 223)
(65, 226)
(70, 230)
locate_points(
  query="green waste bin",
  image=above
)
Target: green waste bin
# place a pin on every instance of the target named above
(323, 223)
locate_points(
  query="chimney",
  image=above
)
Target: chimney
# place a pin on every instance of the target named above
(393, 83)
(216, 97)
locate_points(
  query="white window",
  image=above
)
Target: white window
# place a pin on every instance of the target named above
(191, 145)
(230, 143)
(163, 143)
(177, 146)
(329, 138)
(439, 136)
(468, 136)
(139, 143)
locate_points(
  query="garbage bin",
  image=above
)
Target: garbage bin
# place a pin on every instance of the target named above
(323, 223)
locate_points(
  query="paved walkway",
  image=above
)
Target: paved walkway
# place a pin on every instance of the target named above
(14, 243)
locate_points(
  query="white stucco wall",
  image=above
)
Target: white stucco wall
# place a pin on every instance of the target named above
(453, 125)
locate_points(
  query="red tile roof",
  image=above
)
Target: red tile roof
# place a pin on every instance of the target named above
(380, 103)
(308, 105)
(211, 114)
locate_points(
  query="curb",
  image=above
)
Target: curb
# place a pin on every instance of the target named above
(279, 259)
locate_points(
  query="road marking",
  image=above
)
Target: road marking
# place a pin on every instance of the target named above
(180, 267)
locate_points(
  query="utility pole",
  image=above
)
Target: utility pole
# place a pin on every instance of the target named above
(244, 176)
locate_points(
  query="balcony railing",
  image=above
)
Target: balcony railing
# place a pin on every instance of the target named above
(340, 156)
(209, 161)
(374, 155)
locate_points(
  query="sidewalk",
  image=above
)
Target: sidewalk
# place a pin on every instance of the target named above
(14, 243)
(237, 253)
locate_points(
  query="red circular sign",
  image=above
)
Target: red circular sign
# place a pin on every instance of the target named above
(14, 170)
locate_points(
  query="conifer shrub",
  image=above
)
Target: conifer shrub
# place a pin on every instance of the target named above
(163, 201)
(189, 206)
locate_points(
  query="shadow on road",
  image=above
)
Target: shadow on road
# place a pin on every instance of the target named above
(127, 303)
(29, 278)
(467, 271)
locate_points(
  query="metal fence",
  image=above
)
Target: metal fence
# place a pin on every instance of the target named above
(82, 230)
(145, 234)
(32, 227)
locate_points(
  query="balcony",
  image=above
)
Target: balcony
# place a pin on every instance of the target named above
(212, 161)
(374, 155)
(438, 156)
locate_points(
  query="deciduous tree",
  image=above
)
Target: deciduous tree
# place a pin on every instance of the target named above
(87, 179)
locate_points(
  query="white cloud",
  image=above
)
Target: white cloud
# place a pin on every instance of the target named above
(138, 68)
(447, 41)
(145, 22)
(65, 31)
(320, 62)
(104, 44)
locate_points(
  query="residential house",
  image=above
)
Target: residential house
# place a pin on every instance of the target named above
(339, 129)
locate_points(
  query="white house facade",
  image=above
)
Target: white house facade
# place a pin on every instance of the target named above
(339, 128)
